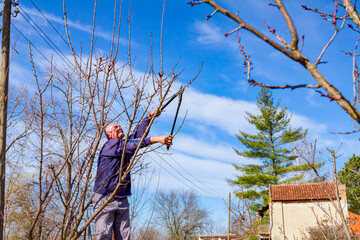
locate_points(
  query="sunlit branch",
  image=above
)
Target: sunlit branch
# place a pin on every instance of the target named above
(254, 83)
(294, 36)
(330, 41)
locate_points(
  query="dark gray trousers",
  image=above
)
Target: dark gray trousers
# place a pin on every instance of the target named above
(113, 219)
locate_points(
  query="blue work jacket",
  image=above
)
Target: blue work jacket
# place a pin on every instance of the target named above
(109, 161)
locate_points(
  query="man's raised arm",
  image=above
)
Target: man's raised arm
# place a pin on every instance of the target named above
(140, 130)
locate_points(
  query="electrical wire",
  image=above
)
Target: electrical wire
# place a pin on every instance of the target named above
(191, 187)
(200, 182)
(42, 54)
(45, 37)
(61, 36)
(49, 40)
(49, 22)
(36, 48)
(194, 186)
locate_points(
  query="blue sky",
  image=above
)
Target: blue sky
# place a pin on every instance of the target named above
(216, 102)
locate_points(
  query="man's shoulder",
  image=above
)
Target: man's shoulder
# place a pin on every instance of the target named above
(112, 142)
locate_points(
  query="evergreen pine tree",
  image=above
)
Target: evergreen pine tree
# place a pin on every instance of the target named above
(269, 150)
(352, 181)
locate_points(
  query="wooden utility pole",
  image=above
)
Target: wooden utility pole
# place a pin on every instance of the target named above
(4, 83)
(229, 217)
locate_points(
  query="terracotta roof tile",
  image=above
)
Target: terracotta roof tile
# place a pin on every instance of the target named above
(309, 191)
(354, 223)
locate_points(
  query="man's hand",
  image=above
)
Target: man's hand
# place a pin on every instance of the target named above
(166, 140)
(154, 112)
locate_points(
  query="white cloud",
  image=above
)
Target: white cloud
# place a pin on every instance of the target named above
(311, 100)
(220, 151)
(222, 113)
(347, 146)
(237, 84)
(41, 21)
(209, 33)
(18, 74)
(315, 128)
(207, 177)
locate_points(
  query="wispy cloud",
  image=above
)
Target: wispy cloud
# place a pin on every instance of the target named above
(222, 113)
(228, 115)
(310, 98)
(18, 74)
(305, 122)
(209, 33)
(203, 175)
(41, 21)
(221, 151)
(239, 84)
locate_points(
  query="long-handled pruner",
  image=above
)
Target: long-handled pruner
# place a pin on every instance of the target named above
(172, 98)
(179, 93)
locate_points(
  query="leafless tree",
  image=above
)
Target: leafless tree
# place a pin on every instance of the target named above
(244, 222)
(18, 184)
(292, 48)
(72, 106)
(141, 204)
(327, 232)
(217, 227)
(179, 214)
(309, 155)
(149, 233)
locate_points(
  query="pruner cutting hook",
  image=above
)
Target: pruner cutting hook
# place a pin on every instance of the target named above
(172, 98)
(179, 93)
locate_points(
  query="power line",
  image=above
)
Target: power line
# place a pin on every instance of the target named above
(40, 52)
(64, 56)
(61, 36)
(215, 192)
(191, 187)
(187, 179)
(49, 22)
(36, 48)
(47, 40)
(67, 62)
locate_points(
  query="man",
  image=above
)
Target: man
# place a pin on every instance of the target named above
(114, 218)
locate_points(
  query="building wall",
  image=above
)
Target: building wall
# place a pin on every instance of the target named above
(293, 219)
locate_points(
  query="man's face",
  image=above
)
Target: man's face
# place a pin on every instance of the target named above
(113, 130)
